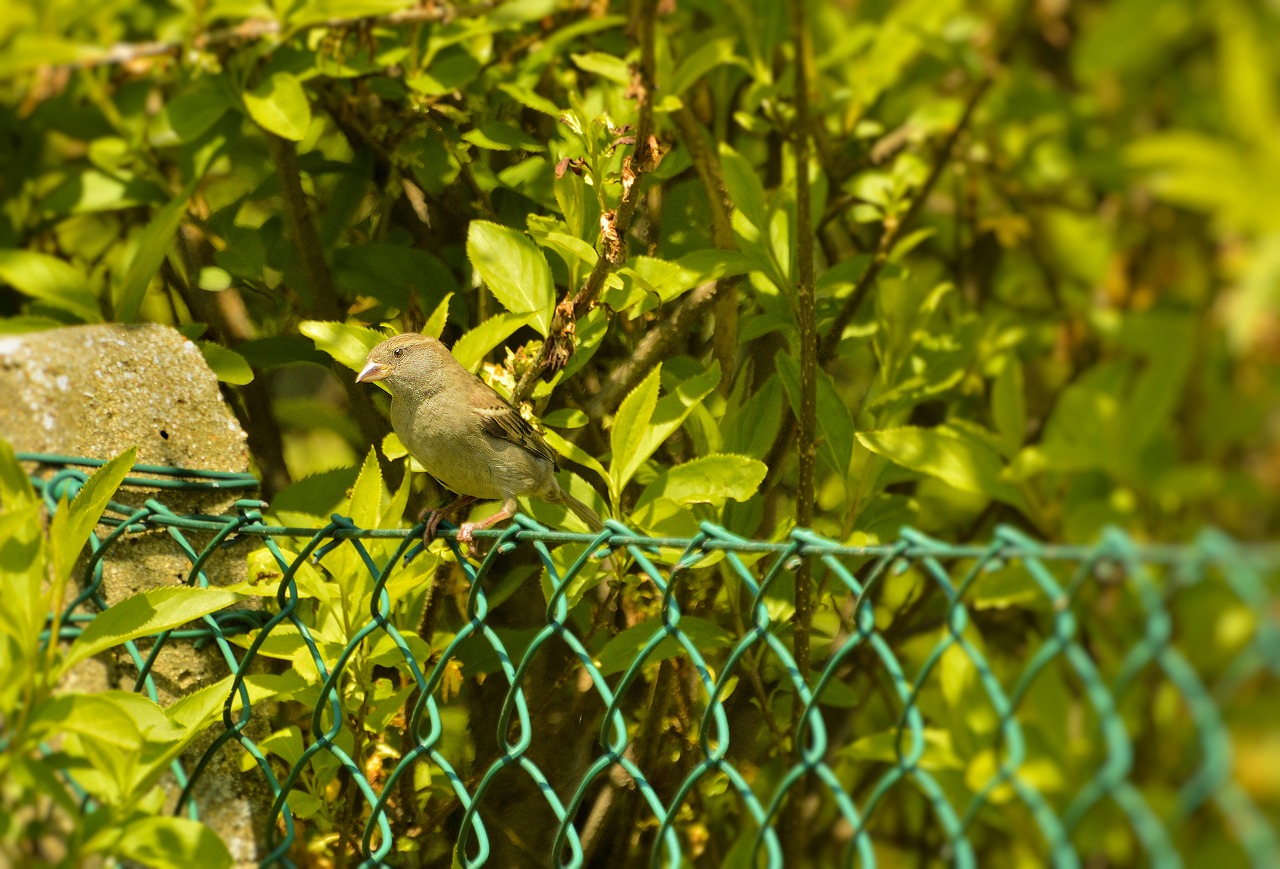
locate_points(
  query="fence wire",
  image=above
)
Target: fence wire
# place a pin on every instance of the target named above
(1005, 702)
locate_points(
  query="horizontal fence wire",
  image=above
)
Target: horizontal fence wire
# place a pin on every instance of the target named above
(1007, 701)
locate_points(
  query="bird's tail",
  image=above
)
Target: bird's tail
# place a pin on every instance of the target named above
(582, 511)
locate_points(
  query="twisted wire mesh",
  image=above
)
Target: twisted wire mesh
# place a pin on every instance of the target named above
(969, 702)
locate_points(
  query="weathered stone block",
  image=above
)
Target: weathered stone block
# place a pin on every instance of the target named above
(95, 391)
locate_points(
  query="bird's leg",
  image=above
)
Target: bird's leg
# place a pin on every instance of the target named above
(434, 515)
(464, 531)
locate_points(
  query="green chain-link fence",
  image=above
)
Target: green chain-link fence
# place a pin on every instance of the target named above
(1009, 702)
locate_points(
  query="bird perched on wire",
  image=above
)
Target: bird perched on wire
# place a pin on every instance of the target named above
(464, 433)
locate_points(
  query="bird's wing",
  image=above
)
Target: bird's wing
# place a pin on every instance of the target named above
(500, 420)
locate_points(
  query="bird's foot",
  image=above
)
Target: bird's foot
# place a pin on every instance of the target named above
(464, 536)
(433, 519)
(467, 528)
(433, 516)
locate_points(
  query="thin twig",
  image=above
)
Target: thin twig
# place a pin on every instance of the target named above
(884, 248)
(660, 340)
(707, 164)
(806, 419)
(614, 226)
(894, 230)
(323, 290)
(261, 28)
(657, 343)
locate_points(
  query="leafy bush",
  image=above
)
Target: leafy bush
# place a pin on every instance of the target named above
(1041, 287)
(940, 263)
(114, 745)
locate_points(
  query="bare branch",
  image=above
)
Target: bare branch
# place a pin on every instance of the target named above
(807, 418)
(260, 28)
(612, 248)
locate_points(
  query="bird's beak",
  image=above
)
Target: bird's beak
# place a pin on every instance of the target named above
(372, 371)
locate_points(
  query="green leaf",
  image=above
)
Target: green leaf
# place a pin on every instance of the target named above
(514, 269)
(566, 417)
(666, 280)
(319, 11)
(391, 272)
(22, 571)
(1159, 385)
(835, 422)
(702, 60)
(393, 448)
(751, 428)
(153, 244)
(958, 459)
(497, 136)
(604, 65)
(71, 525)
(213, 279)
(30, 51)
(530, 99)
(676, 405)
(228, 365)
(15, 486)
(435, 323)
(365, 505)
(577, 454)
(147, 613)
(621, 651)
(191, 113)
(202, 707)
(708, 480)
(93, 190)
(277, 350)
(452, 69)
(745, 188)
(476, 344)
(898, 40)
(883, 748)
(280, 106)
(346, 343)
(169, 843)
(317, 494)
(571, 248)
(1009, 406)
(629, 426)
(50, 280)
(660, 421)
(121, 719)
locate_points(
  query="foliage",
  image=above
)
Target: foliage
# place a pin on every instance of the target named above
(115, 745)
(1053, 311)
(1046, 267)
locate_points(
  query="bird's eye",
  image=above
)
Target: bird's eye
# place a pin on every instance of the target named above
(398, 352)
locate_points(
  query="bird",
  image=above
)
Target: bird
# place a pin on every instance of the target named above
(466, 435)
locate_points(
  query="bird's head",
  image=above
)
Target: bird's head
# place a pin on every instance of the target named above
(403, 361)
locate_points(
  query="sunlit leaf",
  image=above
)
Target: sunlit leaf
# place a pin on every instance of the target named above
(149, 612)
(50, 280)
(280, 106)
(514, 269)
(957, 459)
(228, 365)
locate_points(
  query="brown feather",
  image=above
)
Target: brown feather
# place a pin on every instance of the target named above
(500, 420)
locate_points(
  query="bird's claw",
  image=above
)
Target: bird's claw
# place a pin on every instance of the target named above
(433, 518)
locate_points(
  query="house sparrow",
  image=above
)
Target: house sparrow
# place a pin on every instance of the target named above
(465, 434)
